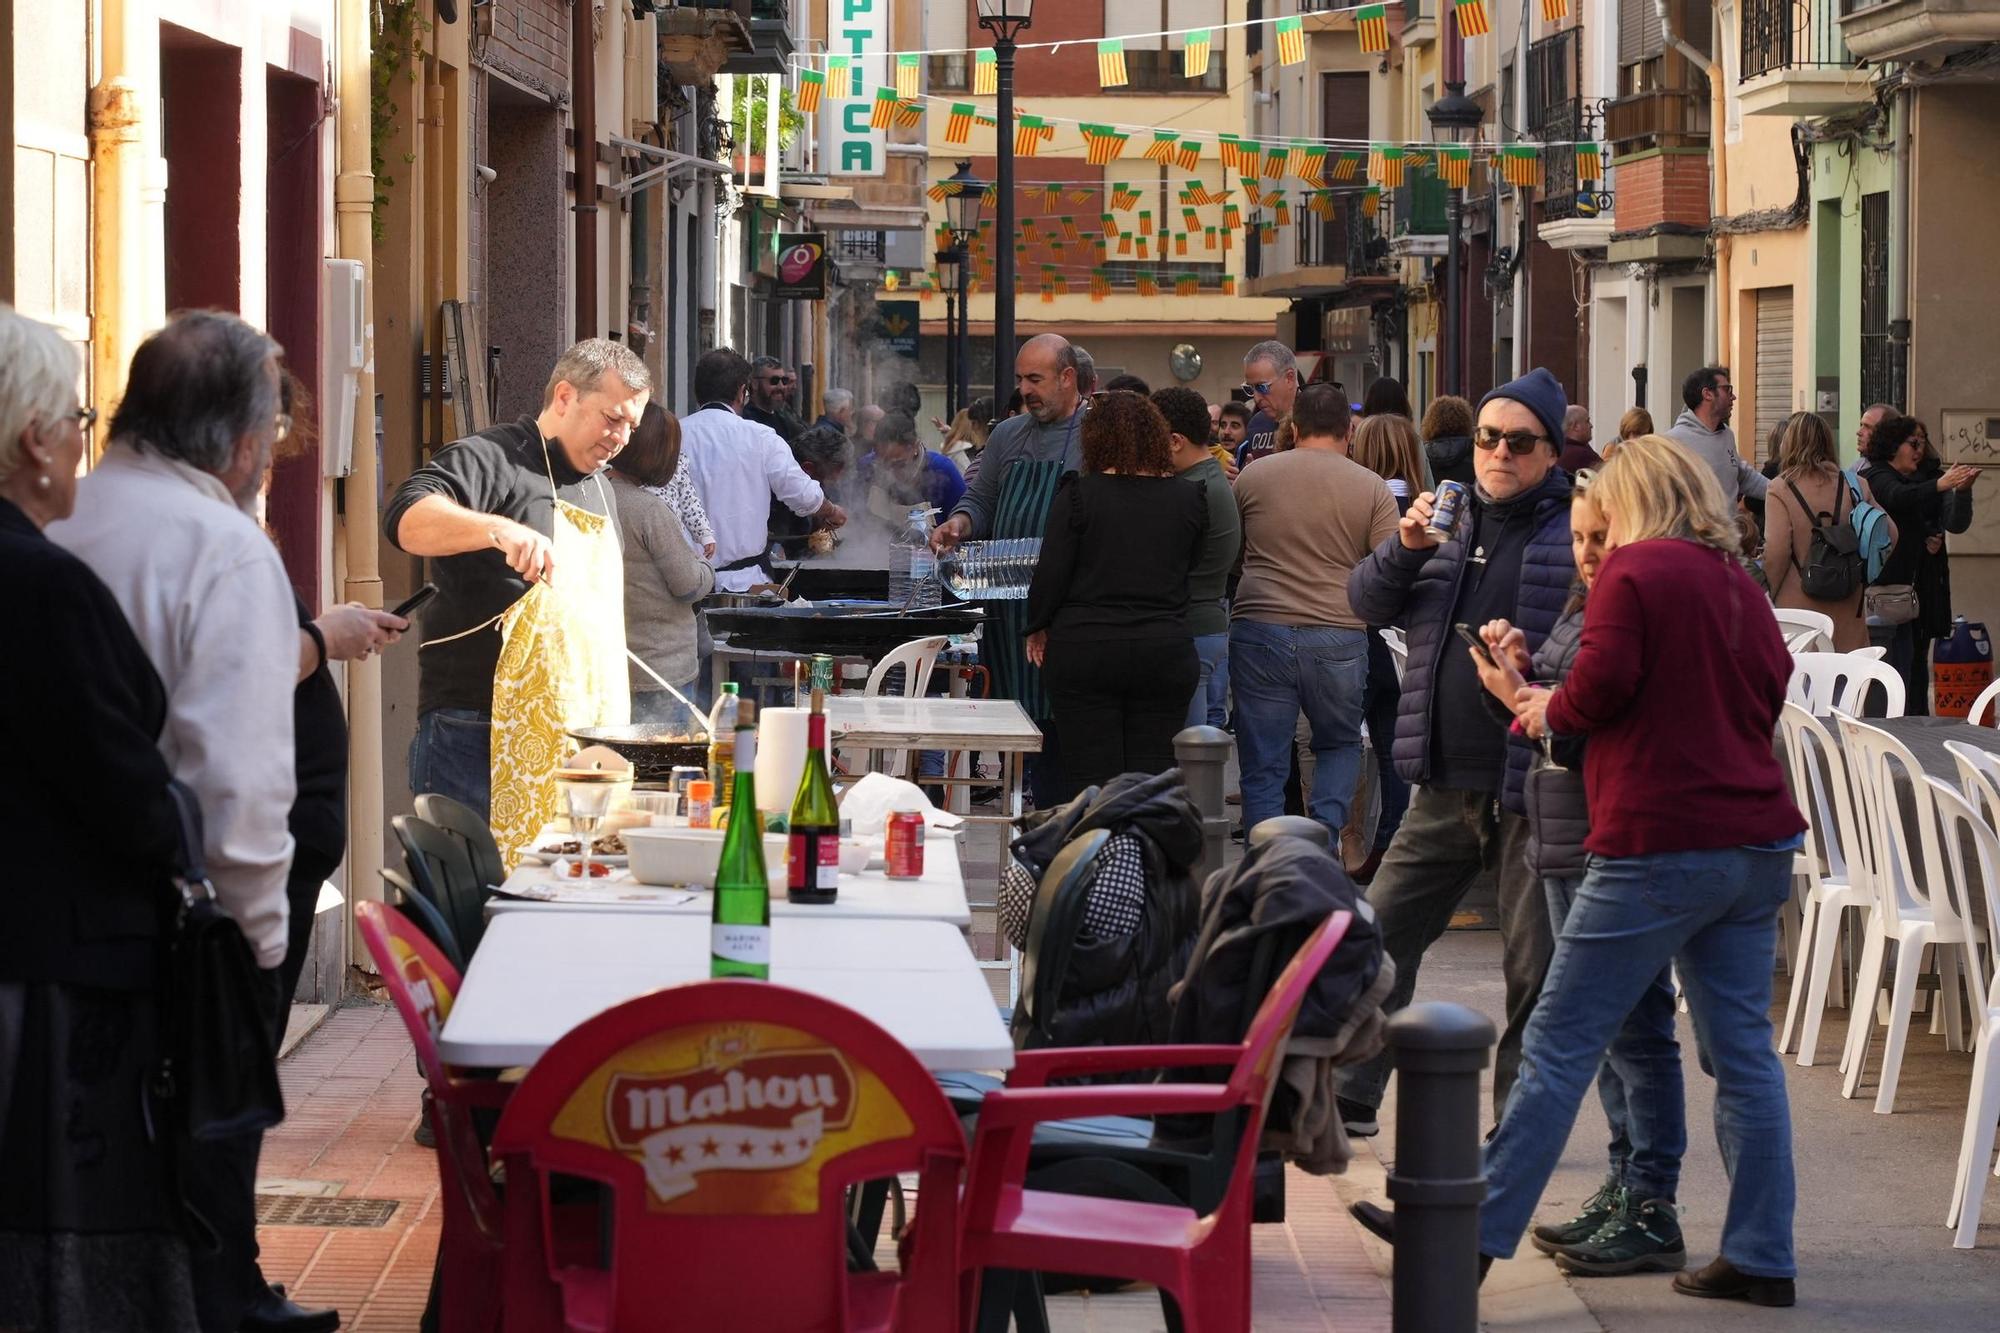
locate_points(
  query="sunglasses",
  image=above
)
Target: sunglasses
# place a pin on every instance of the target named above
(1519, 442)
(1582, 480)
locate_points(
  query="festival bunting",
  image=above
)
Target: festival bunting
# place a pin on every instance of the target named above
(1051, 196)
(1188, 154)
(1194, 55)
(1371, 203)
(1208, 238)
(1291, 34)
(1455, 167)
(1068, 225)
(1162, 150)
(812, 85)
(1102, 144)
(1229, 284)
(1555, 11)
(1186, 284)
(1347, 166)
(1109, 223)
(1589, 163)
(884, 114)
(1310, 164)
(845, 80)
(1371, 25)
(1521, 164)
(1028, 135)
(1472, 20)
(985, 72)
(1146, 283)
(908, 76)
(958, 128)
(1123, 197)
(1111, 63)
(1274, 164)
(985, 121)
(909, 115)
(1145, 222)
(1385, 165)
(1080, 195)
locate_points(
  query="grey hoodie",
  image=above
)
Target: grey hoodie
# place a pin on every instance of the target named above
(1717, 448)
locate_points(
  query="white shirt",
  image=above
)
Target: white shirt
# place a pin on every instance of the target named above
(739, 467)
(207, 596)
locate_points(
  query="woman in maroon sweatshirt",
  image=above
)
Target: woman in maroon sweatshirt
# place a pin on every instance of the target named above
(1678, 683)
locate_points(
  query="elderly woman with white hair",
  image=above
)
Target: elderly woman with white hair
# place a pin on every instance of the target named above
(89, 1230)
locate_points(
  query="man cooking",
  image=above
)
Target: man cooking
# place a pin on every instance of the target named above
(902, 474)
(517, 524)
(1009, 497)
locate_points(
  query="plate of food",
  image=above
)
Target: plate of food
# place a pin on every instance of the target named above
(607, 849)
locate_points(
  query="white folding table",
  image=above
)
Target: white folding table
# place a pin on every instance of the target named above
(938, 896)
(887, 722)
(536, 975)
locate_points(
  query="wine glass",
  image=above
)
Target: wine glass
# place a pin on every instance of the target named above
(589, 794)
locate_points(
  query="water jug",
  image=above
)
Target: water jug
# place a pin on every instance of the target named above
(1961, 666)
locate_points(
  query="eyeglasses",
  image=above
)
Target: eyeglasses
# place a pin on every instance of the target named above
(1519, 442)
(86, 417)
(281, 428)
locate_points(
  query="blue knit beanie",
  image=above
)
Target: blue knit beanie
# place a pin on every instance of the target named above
(1540, 393)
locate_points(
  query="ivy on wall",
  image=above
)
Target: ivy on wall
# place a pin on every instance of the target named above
(394, 53)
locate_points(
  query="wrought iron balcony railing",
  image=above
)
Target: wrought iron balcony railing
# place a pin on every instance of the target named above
(1792, 34)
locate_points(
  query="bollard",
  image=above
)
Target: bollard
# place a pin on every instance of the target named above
(1294, 826)
(1203, 756)
(1440, 1175)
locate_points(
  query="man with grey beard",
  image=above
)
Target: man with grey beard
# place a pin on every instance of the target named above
(1009, 498)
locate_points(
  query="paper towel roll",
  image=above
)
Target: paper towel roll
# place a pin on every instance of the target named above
(781, 757)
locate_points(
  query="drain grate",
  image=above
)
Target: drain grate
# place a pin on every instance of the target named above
(279, 1210)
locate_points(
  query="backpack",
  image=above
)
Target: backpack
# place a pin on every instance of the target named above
(1871, 529)
(1834, 568)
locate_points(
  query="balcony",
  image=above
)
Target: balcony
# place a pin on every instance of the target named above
(1795, 62)
(1657, 118)
(1917, 29)
(770, 40)
(697, 40)
(1420, 22)
(1159, 71)
(1417, 215)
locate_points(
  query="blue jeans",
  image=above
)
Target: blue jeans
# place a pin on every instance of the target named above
(1639, 1081)
(450, 755)
(1715, 912)
(1279, 671)
(1210, 705)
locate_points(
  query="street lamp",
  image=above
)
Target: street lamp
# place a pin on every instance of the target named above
(963, 209)
(1005, 19)
(947, 267)
(1455, 115)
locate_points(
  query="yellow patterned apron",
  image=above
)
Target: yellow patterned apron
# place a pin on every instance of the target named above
(562, 666)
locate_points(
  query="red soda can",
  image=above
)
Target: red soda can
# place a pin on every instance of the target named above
(905, 850)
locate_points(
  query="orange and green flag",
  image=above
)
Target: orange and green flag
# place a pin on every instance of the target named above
(1291, 33)
(1347, 166)
(812, 86)
(908, 75)
(884, 114)
(1310, 164)
(1455, 167)
(1521, 164)
(1162, 149)
(1188, 154)
(1555, 11)
(1371, 25)
(909, 115)
(844, 78)
(1194, 55)
(958, 126)
(1385, 165)
(985, 73)
(1102, 144)
(1028, 136)
(1472, 19)
(1111, 63)
(1589, 162)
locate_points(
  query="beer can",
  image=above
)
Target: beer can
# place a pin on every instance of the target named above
(822, 673)
(1447, 510)
(905, 845)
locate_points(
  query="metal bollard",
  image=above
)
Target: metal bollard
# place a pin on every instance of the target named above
(1290, 826)
(1203, 756)
(1440, 1175)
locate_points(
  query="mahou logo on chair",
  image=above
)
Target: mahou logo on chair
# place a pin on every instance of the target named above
(743, 1118)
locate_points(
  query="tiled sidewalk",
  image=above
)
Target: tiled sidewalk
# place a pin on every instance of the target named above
(352, 1088)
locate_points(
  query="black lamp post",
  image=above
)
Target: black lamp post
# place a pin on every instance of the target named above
(1005, 19)
(1455, 115)
(947, 267)
(954, 265)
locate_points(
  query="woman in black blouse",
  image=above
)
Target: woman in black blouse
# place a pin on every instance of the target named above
(1925, 502)
(1107, 611)
(89, 1230)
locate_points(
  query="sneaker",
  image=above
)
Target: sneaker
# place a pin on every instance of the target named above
(1358, 1119)
(1641, 1238)
(1722, 1282)
(1597, 1210)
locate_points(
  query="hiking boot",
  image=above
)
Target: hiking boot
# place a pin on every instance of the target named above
(1597, 1210)
(1358, 1119)
(1722, 1282)
(1638, 1238)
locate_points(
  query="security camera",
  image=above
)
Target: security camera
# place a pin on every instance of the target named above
(486, 174)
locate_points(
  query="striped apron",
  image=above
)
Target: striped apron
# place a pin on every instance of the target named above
(1026, 492)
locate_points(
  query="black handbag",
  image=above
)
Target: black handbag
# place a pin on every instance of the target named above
(220, 1072)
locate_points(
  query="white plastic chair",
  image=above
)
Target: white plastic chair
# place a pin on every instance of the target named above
(1985, 706)
(918, 659)
(1978, 777)
(1823, 790)
(1874, 652)
(1827, 682)
(1913, 909)
(1399, 649)
(1805, 631)
(1963, 826)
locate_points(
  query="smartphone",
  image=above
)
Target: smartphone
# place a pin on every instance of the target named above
(1474, 642)
(414, 601)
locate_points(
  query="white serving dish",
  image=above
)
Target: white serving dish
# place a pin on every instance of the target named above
(676, 856)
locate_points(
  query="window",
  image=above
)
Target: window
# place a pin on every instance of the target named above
(1152, 62)
(945, 29)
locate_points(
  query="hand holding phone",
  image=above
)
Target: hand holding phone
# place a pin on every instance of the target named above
(1474, 642)
(411, 604)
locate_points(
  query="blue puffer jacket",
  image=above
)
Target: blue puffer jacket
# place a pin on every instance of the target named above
(1418, 590)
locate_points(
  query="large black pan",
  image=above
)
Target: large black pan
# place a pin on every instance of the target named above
(654, 751)
(855, 627)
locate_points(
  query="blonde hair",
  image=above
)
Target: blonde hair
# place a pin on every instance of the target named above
(1637, 421)
(1387, 445)
(38, 375)
(1655, 487)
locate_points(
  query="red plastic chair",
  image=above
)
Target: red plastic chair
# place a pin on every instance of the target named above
(423, 985)
(727, 1119)
(1203, 1263)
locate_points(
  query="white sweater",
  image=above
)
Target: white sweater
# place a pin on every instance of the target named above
(739, 467)
(207, 596)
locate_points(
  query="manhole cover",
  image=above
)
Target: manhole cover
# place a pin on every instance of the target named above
(283, 1210)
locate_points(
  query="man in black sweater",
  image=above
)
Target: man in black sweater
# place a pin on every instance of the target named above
(771, 388)
(483, 510)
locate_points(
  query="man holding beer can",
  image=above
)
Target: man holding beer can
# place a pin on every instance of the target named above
(1500, 550)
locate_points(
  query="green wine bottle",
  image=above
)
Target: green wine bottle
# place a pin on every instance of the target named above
(739, 932)
(812, 857)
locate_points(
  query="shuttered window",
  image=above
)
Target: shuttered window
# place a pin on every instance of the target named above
(1639, 36)
(1125, 17)
(1774, 364)
(1343, 112)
